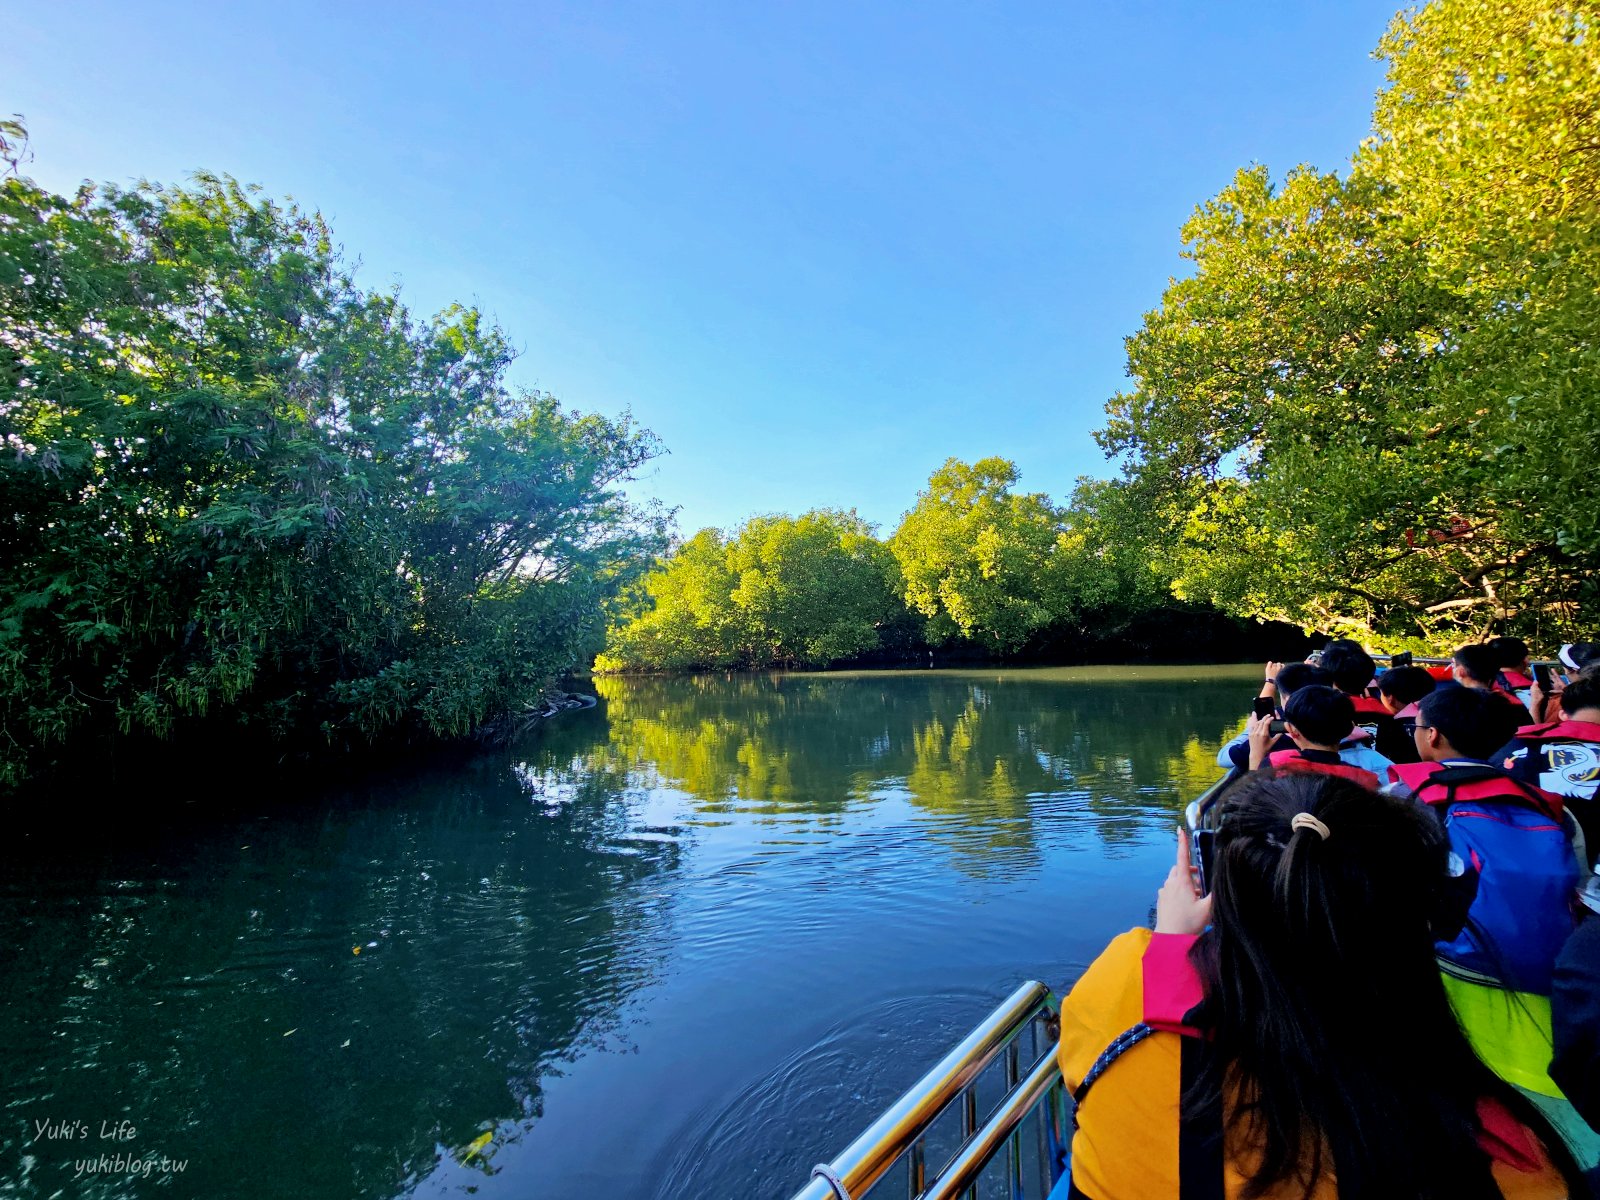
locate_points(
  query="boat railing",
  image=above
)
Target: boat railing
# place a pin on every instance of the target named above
(940, 1141)
(1417, 660)
(1201, 812)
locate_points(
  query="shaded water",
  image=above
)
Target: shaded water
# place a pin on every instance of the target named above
(684, 944)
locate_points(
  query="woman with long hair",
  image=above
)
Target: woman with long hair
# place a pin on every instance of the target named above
(1288, 1035)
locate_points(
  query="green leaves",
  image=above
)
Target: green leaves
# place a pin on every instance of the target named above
(972, 561)
(795, 591)
(234, 486)
(1371, 407)
(978, 559)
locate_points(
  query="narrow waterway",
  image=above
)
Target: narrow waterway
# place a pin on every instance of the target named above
(683, 944)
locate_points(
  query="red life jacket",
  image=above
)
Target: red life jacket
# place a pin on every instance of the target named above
(1368, 706)
(1292, 762)
(1418, 777)
(1560, 731)
(1516, 681)
(1410, 712)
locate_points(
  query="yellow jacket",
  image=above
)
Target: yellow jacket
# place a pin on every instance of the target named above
(1126, 1144)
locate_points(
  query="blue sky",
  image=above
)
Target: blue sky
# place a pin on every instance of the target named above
(817, 247)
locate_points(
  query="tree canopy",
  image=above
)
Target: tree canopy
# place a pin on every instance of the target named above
(978, 559)
(974, 567)
(236, 486)
(1372, 408)
(793, 591)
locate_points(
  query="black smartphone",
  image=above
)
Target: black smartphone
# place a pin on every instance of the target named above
(1202, 852)
(1544, 677)
(1403, 659)
(1278, 727)
(1264, 706)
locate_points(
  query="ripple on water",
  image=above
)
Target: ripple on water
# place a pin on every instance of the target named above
(816, 1100)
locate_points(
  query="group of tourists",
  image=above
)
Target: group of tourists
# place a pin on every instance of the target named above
(1375, 967)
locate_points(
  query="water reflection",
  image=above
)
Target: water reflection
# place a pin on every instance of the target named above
(324, 1000)
(377, 991)
(974, 751)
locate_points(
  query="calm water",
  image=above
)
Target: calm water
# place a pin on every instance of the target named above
(684, 944)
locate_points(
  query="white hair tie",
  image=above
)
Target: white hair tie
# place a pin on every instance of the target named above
(1305, 820)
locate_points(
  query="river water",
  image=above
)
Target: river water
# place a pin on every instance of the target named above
(686, 943)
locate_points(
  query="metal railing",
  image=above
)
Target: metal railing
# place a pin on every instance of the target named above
(1001, 1132)
(1201, 811)
(1418, 661)
(900, 1136)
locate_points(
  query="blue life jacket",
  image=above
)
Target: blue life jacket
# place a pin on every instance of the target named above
(1519, 865)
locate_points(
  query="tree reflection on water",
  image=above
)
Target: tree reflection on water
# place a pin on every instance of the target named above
(979, 748)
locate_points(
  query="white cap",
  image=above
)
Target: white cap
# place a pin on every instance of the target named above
(1577, 655)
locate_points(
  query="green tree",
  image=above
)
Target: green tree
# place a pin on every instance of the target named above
(236, 486)
(1106, 577)
(1372, 406)
(1488, 132)
(1278, 437)
(680, 615)
(795, 591)
(814, 589)
(979, 559)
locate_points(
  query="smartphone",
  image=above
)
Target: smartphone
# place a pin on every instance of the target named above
(1544, 677)
(1202, 852)
(1264, 706)
(1278, 727)
(1403, 659)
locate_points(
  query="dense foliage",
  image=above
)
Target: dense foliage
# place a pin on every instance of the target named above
(979, 559)
(974, 567)
(237, 487)
(792, 591)
(1375, 406)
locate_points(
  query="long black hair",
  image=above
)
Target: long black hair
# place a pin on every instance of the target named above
(1334, 1041)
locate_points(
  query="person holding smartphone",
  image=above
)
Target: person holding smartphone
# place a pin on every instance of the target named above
(1317, 720)
(1282, 681)
(1288, 1036)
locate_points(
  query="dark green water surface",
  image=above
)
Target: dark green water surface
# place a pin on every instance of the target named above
(684, 944)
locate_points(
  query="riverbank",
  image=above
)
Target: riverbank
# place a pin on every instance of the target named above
(149, 770)
(1204, 639)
